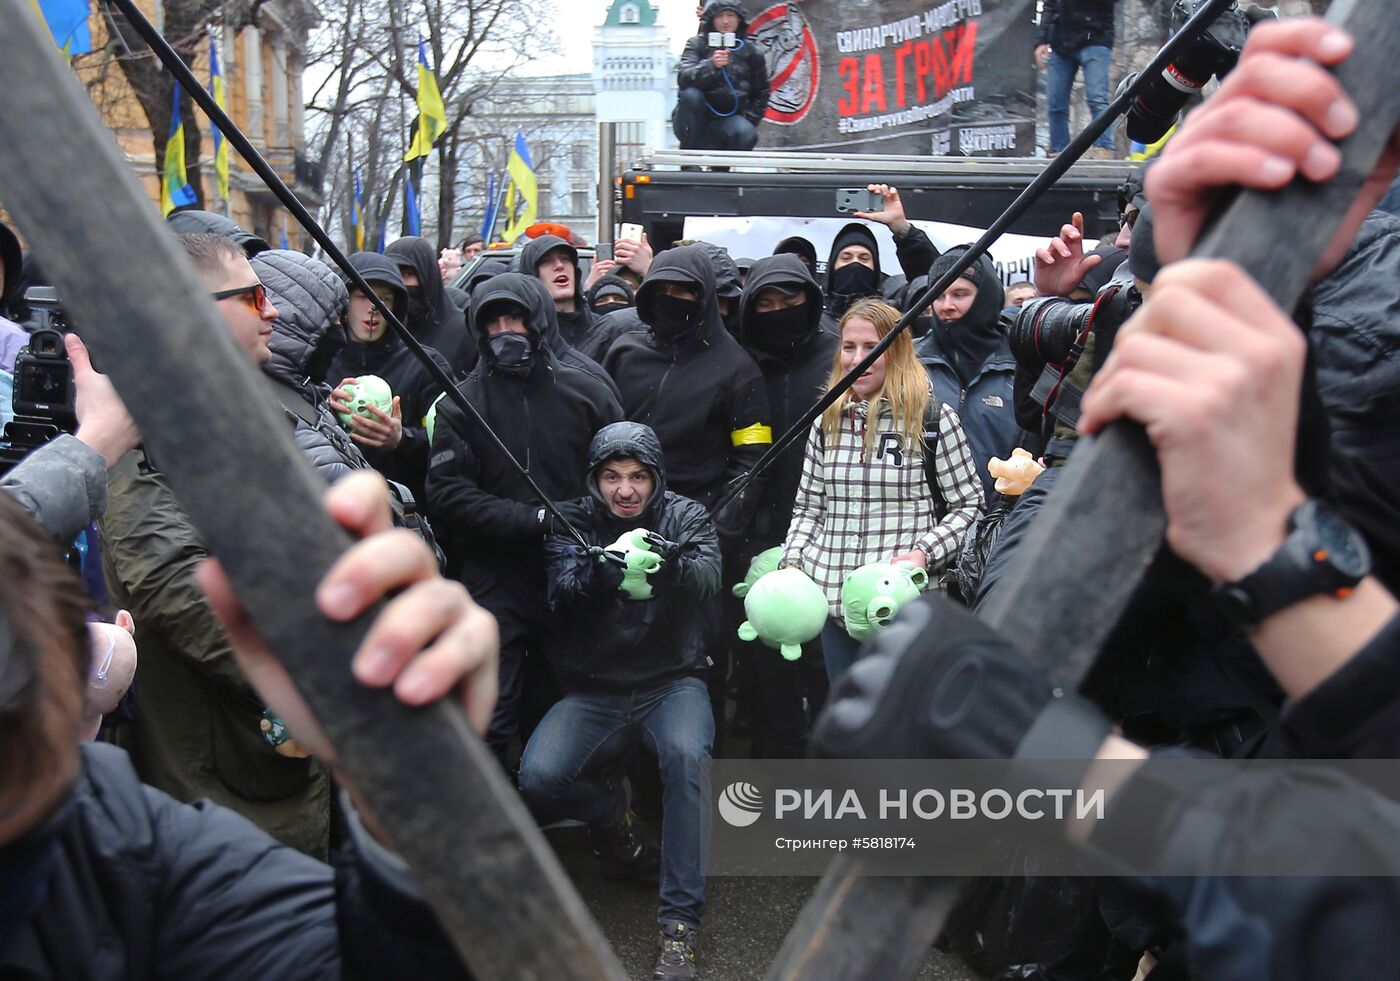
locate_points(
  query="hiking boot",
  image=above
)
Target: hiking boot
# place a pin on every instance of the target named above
(1101, 153)
(624, 848)
(675, 958)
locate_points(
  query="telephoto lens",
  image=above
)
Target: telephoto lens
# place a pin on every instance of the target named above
(1213, 53)
(1046, 328)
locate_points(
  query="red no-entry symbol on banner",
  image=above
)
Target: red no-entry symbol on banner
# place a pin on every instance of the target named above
(794, 69)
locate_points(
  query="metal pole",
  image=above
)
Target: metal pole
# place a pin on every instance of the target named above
(607, 165)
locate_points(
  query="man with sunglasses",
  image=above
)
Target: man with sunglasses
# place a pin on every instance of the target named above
(197, 734)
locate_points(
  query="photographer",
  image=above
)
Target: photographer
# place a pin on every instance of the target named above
(723, 81)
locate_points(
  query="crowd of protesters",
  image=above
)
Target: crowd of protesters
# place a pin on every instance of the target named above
(612, 410)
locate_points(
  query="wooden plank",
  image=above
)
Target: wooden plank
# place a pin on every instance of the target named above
(491, 878)
(1089, 549)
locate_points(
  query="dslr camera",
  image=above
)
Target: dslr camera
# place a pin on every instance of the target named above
(1051, 336)
(44, 392)
(723, 40)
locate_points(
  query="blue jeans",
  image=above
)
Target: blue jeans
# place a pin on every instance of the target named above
(1059, 81)
(839, 650)
(583, 735)
(698, 128)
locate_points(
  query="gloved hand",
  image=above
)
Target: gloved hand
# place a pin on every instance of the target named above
(940, 684)
(578, 514)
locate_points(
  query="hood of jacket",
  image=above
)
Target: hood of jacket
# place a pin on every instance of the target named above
(492, 265)
(611, 285)
(527, 291)
(194, 222)
(376, 268)
(12, 262)
(717, 7)
(537, 248)
(798, 246)
(628, 439)
(688, 265)
(852, 234)
(419, 254)
(726, 272)
(975, 337)
(310, 299)
(788, 272)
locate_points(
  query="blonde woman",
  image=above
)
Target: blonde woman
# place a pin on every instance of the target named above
(865, 494)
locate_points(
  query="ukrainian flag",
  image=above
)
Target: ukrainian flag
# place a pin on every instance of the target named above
(216, 89)
(522, 182)
(175, 190)
(68, 23)
(432, 114)
(356, 221)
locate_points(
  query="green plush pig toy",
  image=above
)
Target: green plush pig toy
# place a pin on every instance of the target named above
(874, 594)
(786, 609)
(363, 392)
(759, 566)
(638, 562)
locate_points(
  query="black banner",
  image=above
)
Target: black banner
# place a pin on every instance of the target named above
(900, 76)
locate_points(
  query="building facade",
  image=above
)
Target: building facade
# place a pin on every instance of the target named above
(262, 67)
(634, 76)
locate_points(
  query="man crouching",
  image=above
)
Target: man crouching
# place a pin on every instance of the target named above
(629, 652)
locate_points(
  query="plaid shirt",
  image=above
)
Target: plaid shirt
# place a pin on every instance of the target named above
(850, 512)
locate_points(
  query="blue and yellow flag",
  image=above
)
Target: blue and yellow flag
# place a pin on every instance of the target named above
(356, 221)
(216, 89)
(285, 244)
(175, 190)
(413, 220)
(432, 114)
(68, 23)
(523, 186)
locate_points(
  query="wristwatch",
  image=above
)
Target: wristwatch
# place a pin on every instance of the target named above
(1323, 553)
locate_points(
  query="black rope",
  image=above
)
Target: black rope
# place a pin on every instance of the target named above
(1198, 22)
(249, 153)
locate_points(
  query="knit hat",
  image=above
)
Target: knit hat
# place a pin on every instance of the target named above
(948, 260)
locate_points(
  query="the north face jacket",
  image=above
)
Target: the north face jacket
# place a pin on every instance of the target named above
(602, 641)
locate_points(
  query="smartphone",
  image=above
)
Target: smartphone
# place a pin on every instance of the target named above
(603, 250)
(630, 231)
(849, 200)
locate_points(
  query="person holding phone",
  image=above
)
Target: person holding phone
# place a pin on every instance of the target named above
(723, 82)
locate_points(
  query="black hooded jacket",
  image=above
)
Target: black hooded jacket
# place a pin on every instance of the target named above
(478, 502)
(747, 71)
(609, 328)
(913, 248)
(600, 640)
(1069, 25)
(577, 327)
(310, 301)
(970, 364)
(702, 394)
(611, 285)
(438, 324)
(408, 378)
(12, 264)
(795, 373)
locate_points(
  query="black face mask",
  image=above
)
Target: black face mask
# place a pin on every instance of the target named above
(511, 354)
(855, 279)
(417, 306)
(674, 318)
(778, 331)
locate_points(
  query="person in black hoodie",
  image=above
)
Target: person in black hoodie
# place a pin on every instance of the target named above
(555, 263)
(633, 670)
(545, 410)
(969, 360)
(433, 318)
(780, 326)
(397, 444)
(723, 91)
(693, 384)
(610, 293)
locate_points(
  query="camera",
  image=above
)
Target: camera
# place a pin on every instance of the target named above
(1214, 53)
(1061, 343)
(723, 39)
(44, 391)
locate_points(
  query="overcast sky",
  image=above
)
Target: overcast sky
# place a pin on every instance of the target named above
(574, 21)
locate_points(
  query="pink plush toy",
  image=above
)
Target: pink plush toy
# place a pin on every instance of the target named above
(113, 668)
(1016, 474)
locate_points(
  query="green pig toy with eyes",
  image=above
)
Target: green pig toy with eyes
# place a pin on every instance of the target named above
(363, 392)
(873, 595)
